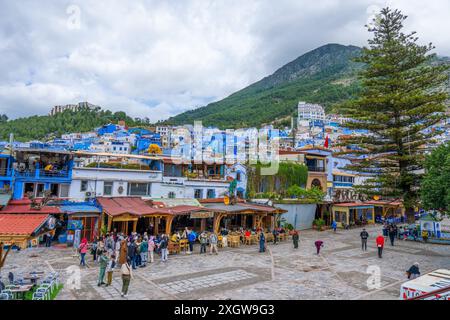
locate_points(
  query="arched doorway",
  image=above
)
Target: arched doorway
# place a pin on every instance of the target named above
(316, 183)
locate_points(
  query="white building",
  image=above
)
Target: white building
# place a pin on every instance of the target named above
(308, 112)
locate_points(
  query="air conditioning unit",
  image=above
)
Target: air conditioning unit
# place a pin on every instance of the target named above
(90, 194)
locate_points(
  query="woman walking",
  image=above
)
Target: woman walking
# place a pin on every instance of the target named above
(123, 252)
(83, 249)
(127, 275)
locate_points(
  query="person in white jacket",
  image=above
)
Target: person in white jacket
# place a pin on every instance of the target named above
(127, 274)
(117, 248)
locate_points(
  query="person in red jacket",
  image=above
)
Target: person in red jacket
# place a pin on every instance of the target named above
(380, 244)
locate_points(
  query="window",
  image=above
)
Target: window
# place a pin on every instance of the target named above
(84, 185)
(64, 190)
(39, 190)
(171, 195)
(138, 189)
(54, 189)
(198, 193)
(210, 193)
(107, 188)
(238, 176)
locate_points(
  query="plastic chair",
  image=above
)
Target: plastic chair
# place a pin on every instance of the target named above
(44, 292)
(48, 286)
(38, 296)
(4, 296)
(9, 293)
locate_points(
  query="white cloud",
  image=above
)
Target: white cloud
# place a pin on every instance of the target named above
(155, 59)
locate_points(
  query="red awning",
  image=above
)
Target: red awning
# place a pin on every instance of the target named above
(131, 205)
(24, 206)
(21, 224)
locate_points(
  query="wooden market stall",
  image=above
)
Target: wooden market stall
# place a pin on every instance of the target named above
(123, 213)
(22, 230)
(352, 213)
(242, 214)
(388, 209)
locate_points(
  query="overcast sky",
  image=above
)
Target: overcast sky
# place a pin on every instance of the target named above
(158, 58)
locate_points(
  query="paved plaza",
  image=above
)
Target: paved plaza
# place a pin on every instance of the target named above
(340, 272)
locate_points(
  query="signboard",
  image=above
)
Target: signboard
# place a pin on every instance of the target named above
(202, 215)
(74, 225)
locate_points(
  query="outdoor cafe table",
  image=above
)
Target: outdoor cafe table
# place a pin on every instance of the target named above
(33, 278)
(21, 290)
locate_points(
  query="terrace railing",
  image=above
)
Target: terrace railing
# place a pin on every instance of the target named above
(316, 169)
(5, 172)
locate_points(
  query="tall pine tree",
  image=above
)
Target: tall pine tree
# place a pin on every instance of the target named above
(403, 96)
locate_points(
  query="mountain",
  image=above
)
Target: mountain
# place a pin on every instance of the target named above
(326, 75)
(45, 127)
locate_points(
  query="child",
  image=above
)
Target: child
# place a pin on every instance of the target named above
(110, 269)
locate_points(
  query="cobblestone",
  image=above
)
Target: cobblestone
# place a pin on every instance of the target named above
(339, 272)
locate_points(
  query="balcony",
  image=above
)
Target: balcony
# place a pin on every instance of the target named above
(316, 169)
(43, 175)
(343, 184)
(5, 172)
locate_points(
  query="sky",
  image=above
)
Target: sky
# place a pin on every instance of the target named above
(156, 59)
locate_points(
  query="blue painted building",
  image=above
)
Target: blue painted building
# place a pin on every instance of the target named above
(38, 170)
(6, 171)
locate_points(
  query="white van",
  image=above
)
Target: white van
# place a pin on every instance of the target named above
(430, 282)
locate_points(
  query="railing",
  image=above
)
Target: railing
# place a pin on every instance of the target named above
(42, 174)
(4, 172)
(343, 184)
(316, 169)
(439, 294)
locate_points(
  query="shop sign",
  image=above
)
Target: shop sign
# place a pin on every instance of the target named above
(202, 215)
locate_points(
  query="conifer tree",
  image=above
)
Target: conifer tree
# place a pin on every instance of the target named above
(403, 95)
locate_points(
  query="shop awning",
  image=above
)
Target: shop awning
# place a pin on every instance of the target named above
(81, 209)
(128, 205)
(24, 206)
(21, 224)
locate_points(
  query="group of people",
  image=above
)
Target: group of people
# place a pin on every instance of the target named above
(117, 250)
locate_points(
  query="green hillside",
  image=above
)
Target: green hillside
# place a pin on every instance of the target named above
(325, 75)
(42, 127)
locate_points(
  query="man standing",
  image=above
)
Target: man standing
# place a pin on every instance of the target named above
(262, 242)
(392, 233)
(191, 237)
(203, 242)
(144, 252)
(163, 246)
(132, 253)
(275, 235)
(213, 243)
(364, 235)
(380, 244)
(103, 262)
(295, 238)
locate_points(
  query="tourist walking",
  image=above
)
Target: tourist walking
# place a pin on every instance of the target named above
(334, 225)
(191, 238)
(392, 233)
(144, 251)
(83, 249)
(123, 251)
(413, 272)
(151, 247)
(213, 243)
(163, 247)
(203, 242)
(127, 275)
(275, 235)
(94, 249)
(117, 247)
(103, 263)
(110, 269)
(295, 239)
(380, 244)
(262, 242)
(318, 244)
(132, 253)
(364, 236)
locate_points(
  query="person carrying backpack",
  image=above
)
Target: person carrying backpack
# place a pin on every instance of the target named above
(213, 243)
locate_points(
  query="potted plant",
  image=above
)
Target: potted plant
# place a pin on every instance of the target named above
(319, 223)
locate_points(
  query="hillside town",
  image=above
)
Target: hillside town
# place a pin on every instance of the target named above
(328, 179)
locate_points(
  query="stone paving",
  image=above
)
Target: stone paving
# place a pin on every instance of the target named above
(339, 272)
